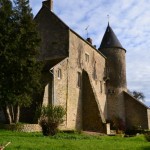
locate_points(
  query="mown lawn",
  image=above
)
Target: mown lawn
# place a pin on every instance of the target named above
(71, 141)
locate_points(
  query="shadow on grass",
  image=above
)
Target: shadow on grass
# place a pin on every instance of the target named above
(145, 148)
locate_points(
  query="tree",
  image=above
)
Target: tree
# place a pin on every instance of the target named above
(6, 53)
(23, 71)
(138, 95)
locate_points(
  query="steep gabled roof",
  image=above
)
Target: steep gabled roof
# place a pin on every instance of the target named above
(110, 40)
(49, 11)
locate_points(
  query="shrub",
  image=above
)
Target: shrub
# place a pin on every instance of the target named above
(147, 136)
(133, 131)
(51, 117)
(117, 124)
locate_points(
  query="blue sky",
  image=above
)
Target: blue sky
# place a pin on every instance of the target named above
(130, 20)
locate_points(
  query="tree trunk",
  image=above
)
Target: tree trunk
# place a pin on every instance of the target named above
(7, 114)
(12, 112)
(17, 113)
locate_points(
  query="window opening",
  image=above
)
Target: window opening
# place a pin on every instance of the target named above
(87, 57)
(59, 74)
(79, 80)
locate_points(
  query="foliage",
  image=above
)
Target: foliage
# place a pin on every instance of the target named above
(133, 132)
(6, 44)
(27, 70)
(117, 123)
(63, 141)
(20, 70)
(147, 136)
(138, 95)
(50, 118)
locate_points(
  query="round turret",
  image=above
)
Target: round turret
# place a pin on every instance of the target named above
(115, 72)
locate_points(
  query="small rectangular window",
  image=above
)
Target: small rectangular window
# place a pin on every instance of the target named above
(87, 57)
(59, 74)
(79, 80)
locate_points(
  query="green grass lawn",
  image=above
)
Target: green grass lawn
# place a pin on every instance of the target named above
(71, 141)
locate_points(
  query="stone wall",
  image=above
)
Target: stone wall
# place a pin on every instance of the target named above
(94, 65)
(60, 86)
(116, 73)
(22, 127)
(91, 117)
(116, 67)
(137, 115)
(148, 118)
(54, 35)
(48, 90)
(66, 89)
(58, 41)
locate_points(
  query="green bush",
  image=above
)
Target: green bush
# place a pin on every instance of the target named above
(116, 123)
(51, 117)
(134, 130)
(147, 136)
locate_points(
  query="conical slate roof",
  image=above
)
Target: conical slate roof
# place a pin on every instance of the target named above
(110, 40)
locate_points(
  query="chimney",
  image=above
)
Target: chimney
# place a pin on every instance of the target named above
(89, 40)
(49, 4)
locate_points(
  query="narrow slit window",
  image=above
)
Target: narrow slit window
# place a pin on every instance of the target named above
(79, 80)
(59, 74)
(94, 71)
(105, 87)
(101, 87)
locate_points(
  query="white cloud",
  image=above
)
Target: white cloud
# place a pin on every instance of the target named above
(129, 20)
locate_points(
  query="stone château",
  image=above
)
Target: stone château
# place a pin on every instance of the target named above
(89, 83)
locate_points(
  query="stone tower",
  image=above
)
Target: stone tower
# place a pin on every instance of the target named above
(115, 74)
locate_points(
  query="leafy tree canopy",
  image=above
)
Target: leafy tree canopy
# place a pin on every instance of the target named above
(19, 42)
